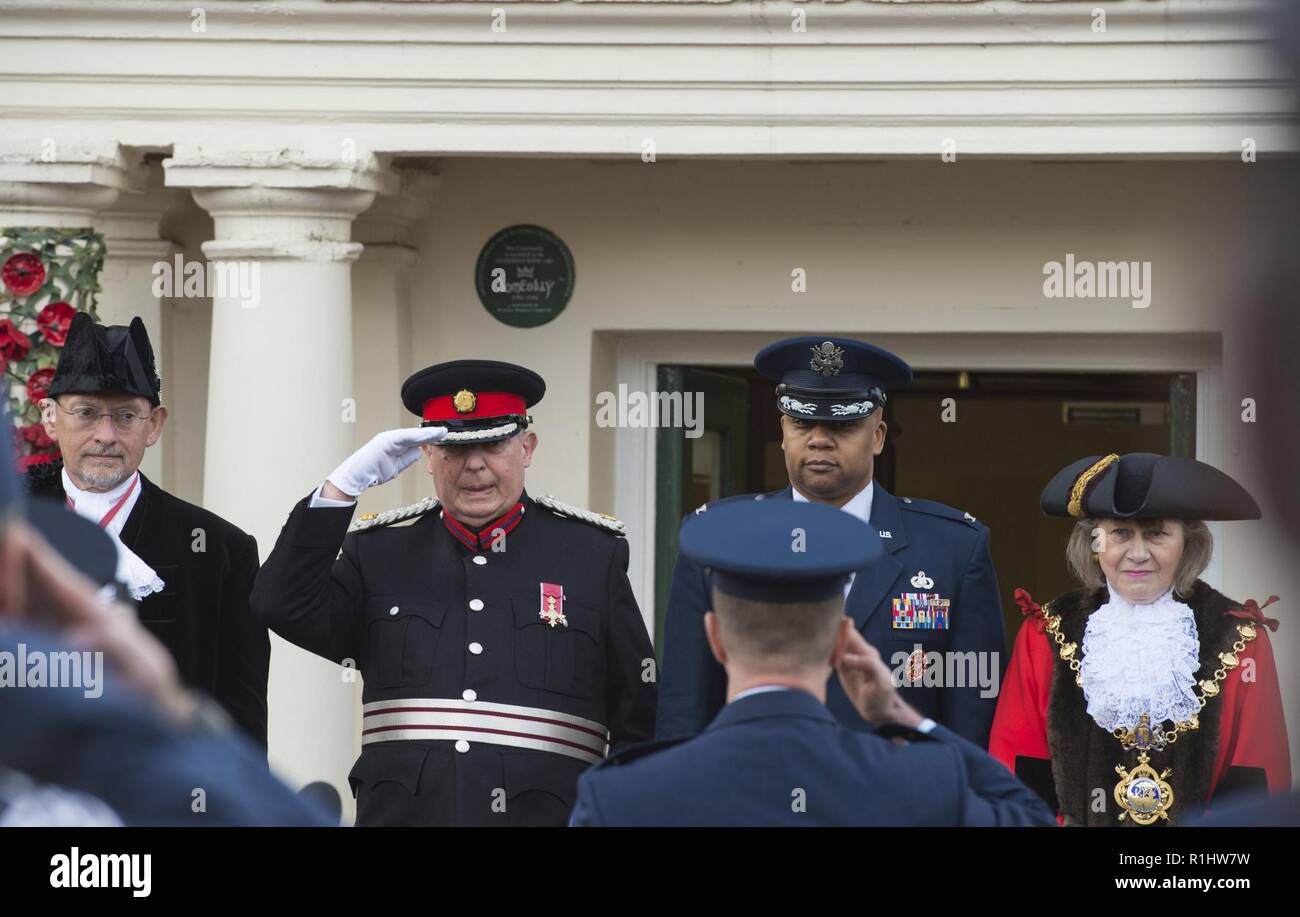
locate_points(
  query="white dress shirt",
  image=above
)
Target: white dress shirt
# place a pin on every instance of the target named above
(859, 506)
(139, 578)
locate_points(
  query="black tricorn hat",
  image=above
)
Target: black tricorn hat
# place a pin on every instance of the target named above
(107, 358)
(478, 401)
(1143, 485)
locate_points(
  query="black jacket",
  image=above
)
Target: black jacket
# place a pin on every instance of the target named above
(202, 615)
(428, 622)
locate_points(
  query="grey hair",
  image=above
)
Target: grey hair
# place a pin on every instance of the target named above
(1198, 546)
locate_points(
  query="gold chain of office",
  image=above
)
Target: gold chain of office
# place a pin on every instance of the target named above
(1141, 792)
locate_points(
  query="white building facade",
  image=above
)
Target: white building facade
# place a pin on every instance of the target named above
(918, 163)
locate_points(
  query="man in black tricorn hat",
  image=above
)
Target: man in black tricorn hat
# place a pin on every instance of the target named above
(501, 646)
(190, 571)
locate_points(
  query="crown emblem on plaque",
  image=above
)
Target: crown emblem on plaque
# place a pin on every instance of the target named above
(827, 359)
(526, 272)
(464, 401)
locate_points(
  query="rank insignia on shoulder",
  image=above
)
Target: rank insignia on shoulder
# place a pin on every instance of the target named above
(920, 611)
(599, 520)
(368, 521)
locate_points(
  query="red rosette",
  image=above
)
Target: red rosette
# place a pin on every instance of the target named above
(23, 274)
(1253, 612)
(1029, 608)
(53, 322)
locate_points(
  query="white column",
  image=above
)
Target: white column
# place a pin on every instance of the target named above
(381, 325)
(280, 371)
(134, 245)
(63, 187)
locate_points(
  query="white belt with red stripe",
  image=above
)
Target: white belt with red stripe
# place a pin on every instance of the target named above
(436, 718)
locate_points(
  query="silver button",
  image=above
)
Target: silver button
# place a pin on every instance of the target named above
(393, 610)
(476, 648)
(462, 746)
(469, 694)
(480, 559)
(907, 499)
(475, 604)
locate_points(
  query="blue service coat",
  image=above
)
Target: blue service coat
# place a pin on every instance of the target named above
(949, 547)
(780, 758)
(113, 747)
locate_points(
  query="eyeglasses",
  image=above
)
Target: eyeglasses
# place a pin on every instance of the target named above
(87, 418)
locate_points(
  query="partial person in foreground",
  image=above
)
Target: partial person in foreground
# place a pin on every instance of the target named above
(96, 727)
(1145, 682)
(775, 755)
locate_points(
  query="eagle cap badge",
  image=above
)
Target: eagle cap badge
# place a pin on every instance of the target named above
(827, 359)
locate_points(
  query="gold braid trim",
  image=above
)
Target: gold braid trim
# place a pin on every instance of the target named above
(1075, 506)
(1209, 688)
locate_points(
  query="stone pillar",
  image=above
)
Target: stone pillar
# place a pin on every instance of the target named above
(134, 246)
(280, 371)
(381, 325)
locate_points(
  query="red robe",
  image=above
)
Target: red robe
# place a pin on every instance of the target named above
(1251, 728)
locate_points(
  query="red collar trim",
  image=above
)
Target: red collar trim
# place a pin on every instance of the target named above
(483, 538)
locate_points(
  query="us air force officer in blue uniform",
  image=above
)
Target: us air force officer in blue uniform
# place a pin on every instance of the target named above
(934, 588)
(775, 755)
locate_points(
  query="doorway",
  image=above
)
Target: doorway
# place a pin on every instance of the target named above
(984, 442)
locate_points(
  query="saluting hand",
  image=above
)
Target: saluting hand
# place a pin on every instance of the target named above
(870, 686)
(386, 456)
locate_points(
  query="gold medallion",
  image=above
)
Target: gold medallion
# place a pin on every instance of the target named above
(1142, 793)
(464, 401)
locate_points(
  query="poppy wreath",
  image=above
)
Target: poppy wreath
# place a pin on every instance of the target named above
(47, 275)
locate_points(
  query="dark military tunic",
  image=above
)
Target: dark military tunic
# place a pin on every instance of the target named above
(481, 704)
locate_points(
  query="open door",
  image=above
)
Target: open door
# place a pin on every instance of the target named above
(691, 470)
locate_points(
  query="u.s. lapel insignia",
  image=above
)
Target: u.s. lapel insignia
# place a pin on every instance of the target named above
(886, 534)
(921, 581)
(552, 610)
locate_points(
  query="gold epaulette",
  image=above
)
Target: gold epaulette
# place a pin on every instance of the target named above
(599, 520)
(391, 516)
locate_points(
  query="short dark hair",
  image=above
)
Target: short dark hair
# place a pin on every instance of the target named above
(784, 636)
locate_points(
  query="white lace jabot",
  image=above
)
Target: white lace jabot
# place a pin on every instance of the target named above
(1140, 659)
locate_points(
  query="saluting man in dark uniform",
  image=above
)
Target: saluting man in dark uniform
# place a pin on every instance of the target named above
(500, 644)
(935, 588)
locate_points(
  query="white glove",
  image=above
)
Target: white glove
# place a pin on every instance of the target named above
(386, 456)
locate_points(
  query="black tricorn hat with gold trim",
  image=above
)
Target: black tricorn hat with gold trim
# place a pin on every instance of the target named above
(1144, 485)
(478, 401)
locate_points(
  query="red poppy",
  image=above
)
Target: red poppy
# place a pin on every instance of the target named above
(53, 322)
(23, 274)
(36, 458)
(38, 384)
(14, 345)
(35, 434)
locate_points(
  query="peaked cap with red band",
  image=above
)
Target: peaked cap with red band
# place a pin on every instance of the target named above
(478, 401)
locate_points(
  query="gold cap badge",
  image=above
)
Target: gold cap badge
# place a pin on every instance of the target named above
(464, 401)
